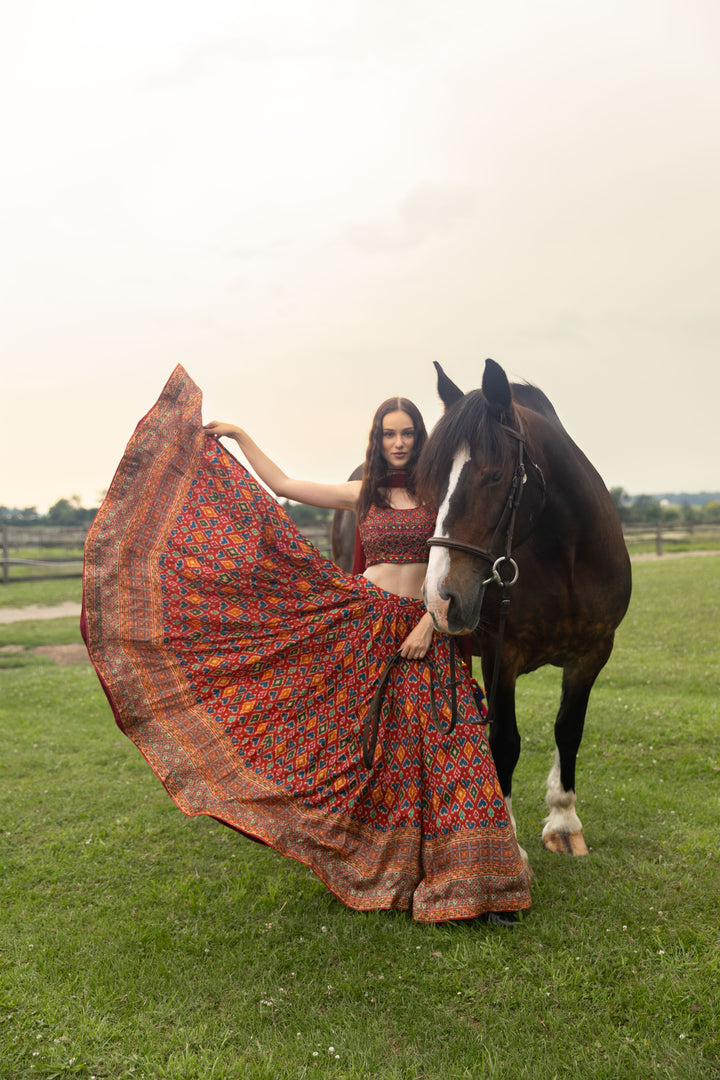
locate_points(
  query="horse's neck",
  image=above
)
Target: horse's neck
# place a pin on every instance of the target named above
(575, 492)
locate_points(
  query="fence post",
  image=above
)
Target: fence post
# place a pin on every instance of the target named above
(659, 539)
(5, 556)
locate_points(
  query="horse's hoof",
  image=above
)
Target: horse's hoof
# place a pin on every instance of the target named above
(565, 843)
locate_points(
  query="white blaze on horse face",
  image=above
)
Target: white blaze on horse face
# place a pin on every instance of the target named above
(439, 560)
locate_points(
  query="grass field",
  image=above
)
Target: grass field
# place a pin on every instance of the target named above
(137, 943)
(18, 594)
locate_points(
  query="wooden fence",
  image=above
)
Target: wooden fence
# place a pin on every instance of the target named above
(41, 552)
(665, 538)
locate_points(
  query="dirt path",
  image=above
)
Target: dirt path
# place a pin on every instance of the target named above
(77, 654)
(61, 654)
(35, 611)
(651, 556)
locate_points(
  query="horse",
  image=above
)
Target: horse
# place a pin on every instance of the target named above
(342, 533)
(528, 555)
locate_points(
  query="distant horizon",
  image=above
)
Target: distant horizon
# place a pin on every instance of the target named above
(675, 497)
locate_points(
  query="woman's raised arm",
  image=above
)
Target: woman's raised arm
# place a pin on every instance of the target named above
(343, 496)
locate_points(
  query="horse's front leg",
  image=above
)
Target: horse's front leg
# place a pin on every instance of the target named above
(563, 831)
(504, 738)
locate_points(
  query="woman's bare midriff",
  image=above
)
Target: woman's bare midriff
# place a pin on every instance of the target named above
(403, 579)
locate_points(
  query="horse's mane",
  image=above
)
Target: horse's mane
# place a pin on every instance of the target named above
(473, 422)
(532, 397)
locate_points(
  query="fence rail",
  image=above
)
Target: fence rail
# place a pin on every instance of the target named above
(59, 547)
(666, 537)
(59, 550)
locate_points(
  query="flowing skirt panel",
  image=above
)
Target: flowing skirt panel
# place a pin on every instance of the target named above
(242, 664)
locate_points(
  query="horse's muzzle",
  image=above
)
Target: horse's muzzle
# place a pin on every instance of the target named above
(463, 611)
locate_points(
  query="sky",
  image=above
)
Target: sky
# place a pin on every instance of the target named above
(307, 202)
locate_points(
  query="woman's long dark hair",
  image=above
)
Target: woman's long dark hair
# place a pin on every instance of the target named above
(375, 470)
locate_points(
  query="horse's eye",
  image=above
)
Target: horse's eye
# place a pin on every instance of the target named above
(491, 478)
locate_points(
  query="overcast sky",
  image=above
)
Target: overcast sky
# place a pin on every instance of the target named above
(306, 202)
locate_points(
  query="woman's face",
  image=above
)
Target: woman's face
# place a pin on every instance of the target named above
(398, 438)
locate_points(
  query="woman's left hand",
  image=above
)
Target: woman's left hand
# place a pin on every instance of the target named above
(419, 640)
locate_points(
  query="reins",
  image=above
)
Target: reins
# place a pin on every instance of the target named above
(371, 724)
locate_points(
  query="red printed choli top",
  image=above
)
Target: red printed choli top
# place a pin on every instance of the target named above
(396, 536)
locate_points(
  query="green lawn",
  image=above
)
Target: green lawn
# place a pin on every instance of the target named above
(135, 942)
(54, 591)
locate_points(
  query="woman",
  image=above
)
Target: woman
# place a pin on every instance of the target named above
(243, 665)
(385, 504)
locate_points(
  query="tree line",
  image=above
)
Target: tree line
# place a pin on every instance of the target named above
(64, 512)
(636, 509)
(642, 509)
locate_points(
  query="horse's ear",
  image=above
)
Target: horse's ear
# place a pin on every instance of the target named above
(448, 391)
(496, 388)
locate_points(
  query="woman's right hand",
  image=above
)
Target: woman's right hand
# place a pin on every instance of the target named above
(219, 428)
(331, 496)
(419, 640)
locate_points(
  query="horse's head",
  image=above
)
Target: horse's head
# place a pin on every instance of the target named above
(474, 467)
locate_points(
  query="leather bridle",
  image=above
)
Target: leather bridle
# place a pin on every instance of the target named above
(509, 514)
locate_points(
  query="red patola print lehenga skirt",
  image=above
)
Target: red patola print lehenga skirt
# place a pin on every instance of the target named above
(242, 664)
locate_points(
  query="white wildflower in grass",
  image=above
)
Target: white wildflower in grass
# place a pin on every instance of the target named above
(331, 1049)
(315, 1053)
